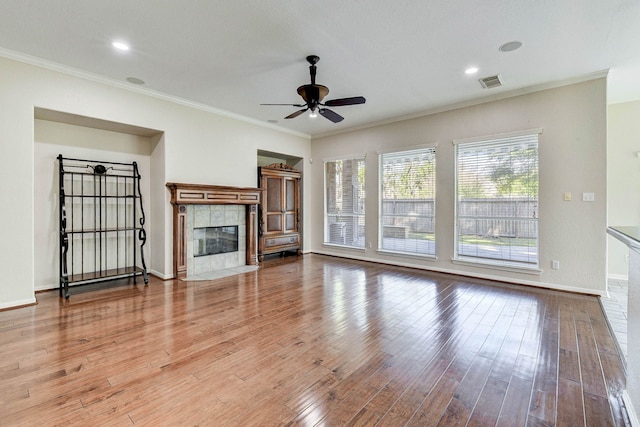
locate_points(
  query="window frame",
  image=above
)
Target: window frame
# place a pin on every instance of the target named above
(407, 152)
(496, 263)
(361, 217)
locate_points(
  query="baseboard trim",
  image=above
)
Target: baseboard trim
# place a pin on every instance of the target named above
(49, 287)
(633, 417)
(160, 275)
(543, 285)
(18, 304)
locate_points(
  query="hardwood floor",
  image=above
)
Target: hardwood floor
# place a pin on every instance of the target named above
(319, 341)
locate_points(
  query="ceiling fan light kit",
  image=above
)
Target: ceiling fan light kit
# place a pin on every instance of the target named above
(313, 94)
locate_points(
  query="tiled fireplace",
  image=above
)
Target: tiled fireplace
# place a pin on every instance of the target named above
(216, 221)
(210, 207)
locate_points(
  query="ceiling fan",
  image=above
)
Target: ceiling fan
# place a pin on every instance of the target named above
(313, 94)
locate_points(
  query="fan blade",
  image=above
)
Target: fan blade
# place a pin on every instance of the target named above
(345, 101)
(331, 115)
(296, 114)
(288, 105)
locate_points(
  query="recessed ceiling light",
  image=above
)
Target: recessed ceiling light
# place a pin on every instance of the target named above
(120, 46)
(471, 70)
(510, 46)
(135, 80)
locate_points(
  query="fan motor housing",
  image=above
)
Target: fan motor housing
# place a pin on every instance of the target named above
(311, 93)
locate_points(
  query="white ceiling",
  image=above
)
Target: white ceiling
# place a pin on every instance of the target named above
(406, 56)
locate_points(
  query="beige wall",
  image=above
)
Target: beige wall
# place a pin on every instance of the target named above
(196, 146)
(572, 159)
(623, 178)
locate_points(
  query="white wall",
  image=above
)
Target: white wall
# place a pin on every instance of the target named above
(623, 178)
(197, 146)
(572, 159)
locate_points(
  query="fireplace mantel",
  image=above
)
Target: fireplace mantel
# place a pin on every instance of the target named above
(199, 194)
(202, 194)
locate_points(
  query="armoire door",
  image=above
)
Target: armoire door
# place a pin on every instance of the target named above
(290, 207)
(274, 205)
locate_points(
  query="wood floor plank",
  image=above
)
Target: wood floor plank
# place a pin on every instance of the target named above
(433, 407)
(314, 391)
(571, 406)
(615, 379)
(569, 365)
(471, 386)
(597, 411)
(458, 410)
(515, 407)
(330, 401)
(412, 397)
(590, 364)
(313, 340)
(542, 409)
(543, 399)
(440, 372)
(489, 404)
(568, 338)
(394, 377)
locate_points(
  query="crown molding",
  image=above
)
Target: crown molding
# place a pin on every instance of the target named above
(53, 66)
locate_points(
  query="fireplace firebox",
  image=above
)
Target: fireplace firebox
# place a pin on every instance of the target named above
(215, 240)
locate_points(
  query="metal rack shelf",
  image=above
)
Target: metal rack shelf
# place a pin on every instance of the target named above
(101, 222)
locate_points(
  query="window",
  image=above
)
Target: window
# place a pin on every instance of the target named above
(344, 202)
(407, 202)
(497, 200)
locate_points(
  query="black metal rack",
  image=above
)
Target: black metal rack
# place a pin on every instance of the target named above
(101, 222)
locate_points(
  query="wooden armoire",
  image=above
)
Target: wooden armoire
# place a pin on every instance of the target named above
(279, 215)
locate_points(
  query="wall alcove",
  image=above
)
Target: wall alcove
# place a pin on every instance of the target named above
(80, 137)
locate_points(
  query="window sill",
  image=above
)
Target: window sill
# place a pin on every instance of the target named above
(496, 265)
(422, 257)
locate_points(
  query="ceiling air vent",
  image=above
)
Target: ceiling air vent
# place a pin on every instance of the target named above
(491, 81)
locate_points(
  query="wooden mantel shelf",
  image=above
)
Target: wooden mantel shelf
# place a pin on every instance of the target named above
(202, 194)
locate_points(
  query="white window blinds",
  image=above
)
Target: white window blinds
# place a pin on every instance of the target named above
(497, 200)
(407, 205)
(344, 202)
